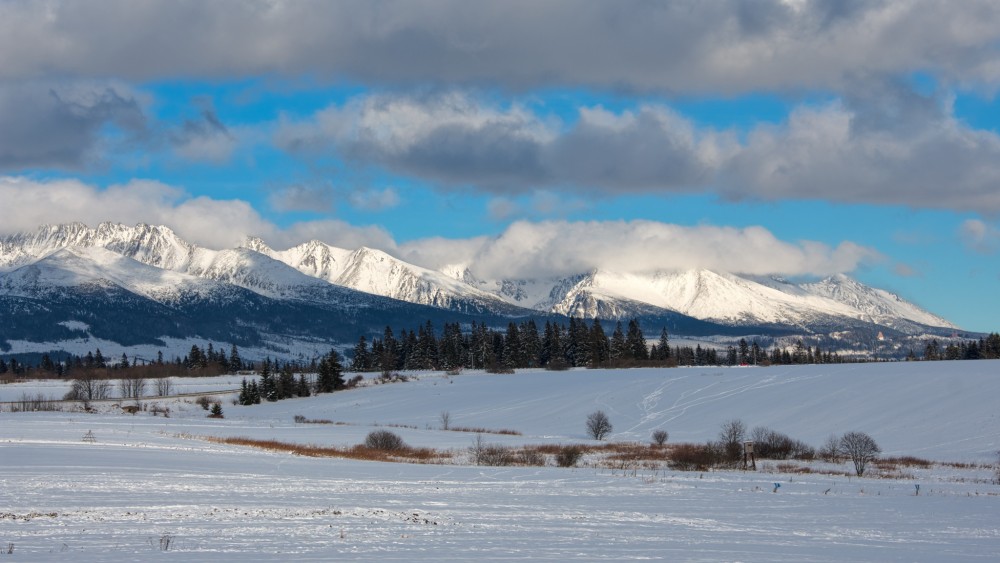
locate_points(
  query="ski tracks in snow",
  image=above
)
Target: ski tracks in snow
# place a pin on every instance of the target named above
(722, 388)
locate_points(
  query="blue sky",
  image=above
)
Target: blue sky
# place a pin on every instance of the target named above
(790, 138)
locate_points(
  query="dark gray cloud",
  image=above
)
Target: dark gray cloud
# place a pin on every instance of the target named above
(884, 144)
(60, 126)
(687, 46)
(203, 138)
(456, 140)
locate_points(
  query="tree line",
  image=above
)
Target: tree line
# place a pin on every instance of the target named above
(554, 346)
(985, 348)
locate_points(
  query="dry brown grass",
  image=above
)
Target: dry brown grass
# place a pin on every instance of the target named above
(902, 461)
(474, 430)
(359, 452)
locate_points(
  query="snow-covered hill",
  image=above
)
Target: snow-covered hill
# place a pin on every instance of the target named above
(148, 487)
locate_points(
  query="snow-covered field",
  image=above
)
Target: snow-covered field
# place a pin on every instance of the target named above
(152, 487)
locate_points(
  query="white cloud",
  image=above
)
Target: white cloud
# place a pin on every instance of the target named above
(374, 199)
(980, 236)
(205, 221)
(302, 197)
(558, 248)
(524, 249)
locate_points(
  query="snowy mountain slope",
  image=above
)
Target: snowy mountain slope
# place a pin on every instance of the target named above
(878, 305)
(376, 272)
(310, 270)
(153, 245)
(713, 296)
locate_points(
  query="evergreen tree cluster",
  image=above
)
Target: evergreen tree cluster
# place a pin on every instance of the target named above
(985, 348)
(521, 345)
(278, 381)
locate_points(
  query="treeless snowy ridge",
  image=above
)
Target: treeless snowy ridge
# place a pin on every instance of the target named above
(149, 481)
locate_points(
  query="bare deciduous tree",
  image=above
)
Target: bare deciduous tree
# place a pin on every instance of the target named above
(660, 437)
(598, 425)
(132, 387)
(860, 448)
(88, 388)
(731, 437)
(830, 451)
(164, 386)
(445, 420)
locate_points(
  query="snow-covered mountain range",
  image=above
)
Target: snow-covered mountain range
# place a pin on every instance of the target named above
(153, 263)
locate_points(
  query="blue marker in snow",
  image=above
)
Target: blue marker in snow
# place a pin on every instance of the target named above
(776, 487)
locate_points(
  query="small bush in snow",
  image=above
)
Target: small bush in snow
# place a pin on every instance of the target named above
(693, 457)
(384, 440)
(531, 457)
(568, 456)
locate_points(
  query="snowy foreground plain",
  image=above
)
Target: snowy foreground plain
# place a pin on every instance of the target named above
(152, 488)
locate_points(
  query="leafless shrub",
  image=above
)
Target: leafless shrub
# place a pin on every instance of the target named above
(568, 456)
(384, 440)
(598, 425)
(490, 454)
(769, 444)
(660, 437)
(531, 457)
(445, 420)
(205, 402)
(693, 457)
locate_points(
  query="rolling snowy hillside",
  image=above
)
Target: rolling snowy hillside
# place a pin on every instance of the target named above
(155, 487)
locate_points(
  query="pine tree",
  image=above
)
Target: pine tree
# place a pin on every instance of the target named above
(302, 389)
(663, 346)
(618, 344)
(599, 349)
(286, 382)
(235, 362)
(268, 386)
(361, 360)
(635, 342)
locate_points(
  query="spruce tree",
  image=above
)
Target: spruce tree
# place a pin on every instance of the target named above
(235, 362)
(618, 352)
(268, 386)
(635, 342)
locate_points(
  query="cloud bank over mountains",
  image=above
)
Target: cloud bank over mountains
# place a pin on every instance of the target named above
(524, 249)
